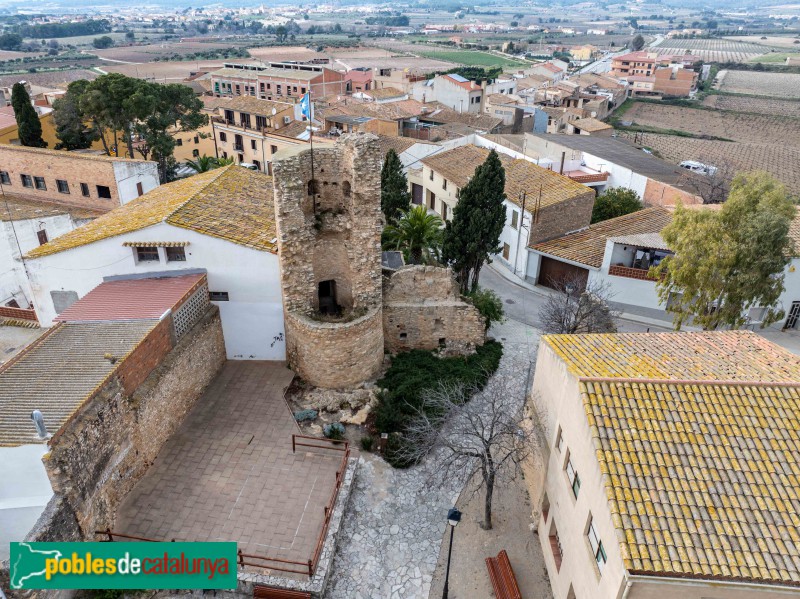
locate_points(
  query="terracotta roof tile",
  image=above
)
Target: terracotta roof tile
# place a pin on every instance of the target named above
(231, 203)
(459, 164)
(132, 299)
(587, 246)
(702, 474)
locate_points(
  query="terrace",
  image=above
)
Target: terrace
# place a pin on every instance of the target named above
(238, 470)
(632, 256)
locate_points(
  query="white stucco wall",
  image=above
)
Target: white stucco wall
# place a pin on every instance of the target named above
(22, 502)
(129, 173)
(22, 234)
(252, 319)
(517, 240)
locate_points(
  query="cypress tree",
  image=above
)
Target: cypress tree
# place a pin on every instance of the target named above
(478, 218)
(28, 126)
(395, 198)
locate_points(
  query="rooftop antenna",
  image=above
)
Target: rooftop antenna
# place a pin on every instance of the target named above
(38, 422)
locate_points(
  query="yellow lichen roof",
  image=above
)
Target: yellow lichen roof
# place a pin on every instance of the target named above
(697, 436)
(231, 203)
(459, 164)
(589, 245)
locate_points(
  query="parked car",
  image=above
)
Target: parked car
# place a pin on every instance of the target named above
(699, 167)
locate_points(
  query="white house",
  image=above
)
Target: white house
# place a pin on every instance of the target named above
(221, 222)
(454, 91)
(27, 224)
(618, 253)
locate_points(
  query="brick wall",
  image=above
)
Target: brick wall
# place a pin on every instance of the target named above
(52, 166)
(422, 309)
(662, 194)
(559, 219)
(18, 313)
(146, 356)
(116, 434)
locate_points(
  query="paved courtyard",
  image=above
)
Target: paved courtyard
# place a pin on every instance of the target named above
(229, 474)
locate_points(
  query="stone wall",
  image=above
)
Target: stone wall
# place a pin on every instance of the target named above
(116, 435)
(329, 227)
(556, 220)
(335, 355)
(423, 309)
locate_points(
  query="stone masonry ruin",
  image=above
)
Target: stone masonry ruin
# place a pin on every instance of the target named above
(340, 312)
(329, 233)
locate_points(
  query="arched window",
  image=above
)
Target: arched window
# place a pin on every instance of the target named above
(346, 189)
(313, 187)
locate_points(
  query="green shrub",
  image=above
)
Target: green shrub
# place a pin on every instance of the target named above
(334, 431)
(367, 442)
(393, 455)
(411, 373)
(303, 415)
(489, 305)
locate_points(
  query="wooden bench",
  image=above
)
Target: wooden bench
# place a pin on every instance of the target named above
(502, 577)
(261, 592)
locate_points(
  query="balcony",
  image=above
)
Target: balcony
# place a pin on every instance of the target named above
(584, 177)
(630, 273)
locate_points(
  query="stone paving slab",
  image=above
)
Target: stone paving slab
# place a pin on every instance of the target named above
(229, 474)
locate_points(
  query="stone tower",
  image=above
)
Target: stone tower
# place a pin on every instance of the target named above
(329, 230)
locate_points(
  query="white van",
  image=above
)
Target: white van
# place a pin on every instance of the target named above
(699, 167)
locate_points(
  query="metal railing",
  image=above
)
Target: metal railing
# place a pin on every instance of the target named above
(309, 566)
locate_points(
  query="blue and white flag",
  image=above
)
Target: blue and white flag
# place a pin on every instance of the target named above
(305, 107)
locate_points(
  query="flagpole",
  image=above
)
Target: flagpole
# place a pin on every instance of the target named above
(311, 140)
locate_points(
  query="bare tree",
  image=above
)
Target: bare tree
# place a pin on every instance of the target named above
(713, 188)
(578, 306)
(487, 435)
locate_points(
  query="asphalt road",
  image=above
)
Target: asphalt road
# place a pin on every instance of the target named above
(523, 305)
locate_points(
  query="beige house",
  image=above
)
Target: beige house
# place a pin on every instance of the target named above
(672, 468)
(251, 130)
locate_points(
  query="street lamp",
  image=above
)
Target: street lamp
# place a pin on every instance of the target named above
(453, 518)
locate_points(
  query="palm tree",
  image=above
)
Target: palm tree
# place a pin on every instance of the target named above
(417, 234)
(203, 164)
(223, 161)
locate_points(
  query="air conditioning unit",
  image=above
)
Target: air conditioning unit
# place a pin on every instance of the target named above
(287, 120)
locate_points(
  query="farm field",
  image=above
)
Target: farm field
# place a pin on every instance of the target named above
(56, 79)
(778, 85)
(714, 50)
(85, 40)
(467, 57)
(749, 104)
(774, 41)
(384, 56)
(774, 57)
(166, 71)
(777, 160)
(282, 53)
(750, 128)
(149, 52)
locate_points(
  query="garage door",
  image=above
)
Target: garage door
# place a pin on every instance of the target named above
(551, 272)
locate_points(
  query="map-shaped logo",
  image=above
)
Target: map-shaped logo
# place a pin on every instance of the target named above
(27, 563)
